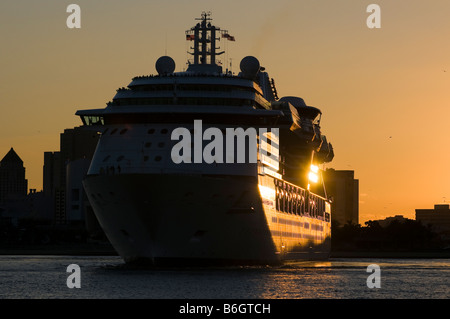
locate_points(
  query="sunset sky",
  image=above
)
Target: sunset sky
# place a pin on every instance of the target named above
(384, 93)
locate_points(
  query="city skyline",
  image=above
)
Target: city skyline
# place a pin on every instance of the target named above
(375, 87)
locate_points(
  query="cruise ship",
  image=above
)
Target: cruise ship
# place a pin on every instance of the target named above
(205, 203)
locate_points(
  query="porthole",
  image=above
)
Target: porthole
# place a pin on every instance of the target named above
(161, 144)
(123, 131)
(148, 144)
(164, 131)
(151, 131)
(113, 131)
(158, 158)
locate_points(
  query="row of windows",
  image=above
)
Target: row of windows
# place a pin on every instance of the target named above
(111, 170)
(290, 200)
(165, 131)
(187, 87)
(290, 222)
(124, 130)
(182, 101)
(295, 200)
(296, 223)
(114, 131)
(149, 144)
(294, 235)
(185, 75)
(92, 120)
(120, 158)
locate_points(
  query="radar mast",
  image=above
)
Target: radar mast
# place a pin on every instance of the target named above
(204, 36)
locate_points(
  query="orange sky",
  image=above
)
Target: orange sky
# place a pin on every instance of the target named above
(384, 92)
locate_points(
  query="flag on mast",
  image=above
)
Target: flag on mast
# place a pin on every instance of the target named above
(227, 36)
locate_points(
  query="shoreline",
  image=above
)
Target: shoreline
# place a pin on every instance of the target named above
(86, 249)
(392, 254)
(100, 249)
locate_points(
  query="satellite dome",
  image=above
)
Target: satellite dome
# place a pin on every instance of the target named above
(250, 66)
(165, 65)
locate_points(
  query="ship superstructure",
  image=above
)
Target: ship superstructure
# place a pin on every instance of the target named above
(168, 205)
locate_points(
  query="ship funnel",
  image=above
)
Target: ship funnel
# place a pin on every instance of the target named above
(165, 65)
(250, 67)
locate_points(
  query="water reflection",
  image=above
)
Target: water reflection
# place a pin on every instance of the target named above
(107, 277)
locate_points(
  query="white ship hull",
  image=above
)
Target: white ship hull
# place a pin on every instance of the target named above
(195, 219)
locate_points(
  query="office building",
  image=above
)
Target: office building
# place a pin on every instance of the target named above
(438, 218)
(13, 184)
(342, 186)
(64, 171)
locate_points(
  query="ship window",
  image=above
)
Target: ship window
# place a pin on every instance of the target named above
(93, 120)
(164, 131)
(148, 144)
(121, 157)
(161, 144)
(104, 132)
(113, 131)
(294, 204)
(106, 158)
(277, 195)
(146, 158)
(151, 131)
(158, 158)
(123, 131)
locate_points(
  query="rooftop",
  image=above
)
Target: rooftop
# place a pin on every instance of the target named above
(11, 157)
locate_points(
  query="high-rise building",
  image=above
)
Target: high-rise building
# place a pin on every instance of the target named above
(342, 186)
(77, 146)
(52, 169)
(13, 184)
